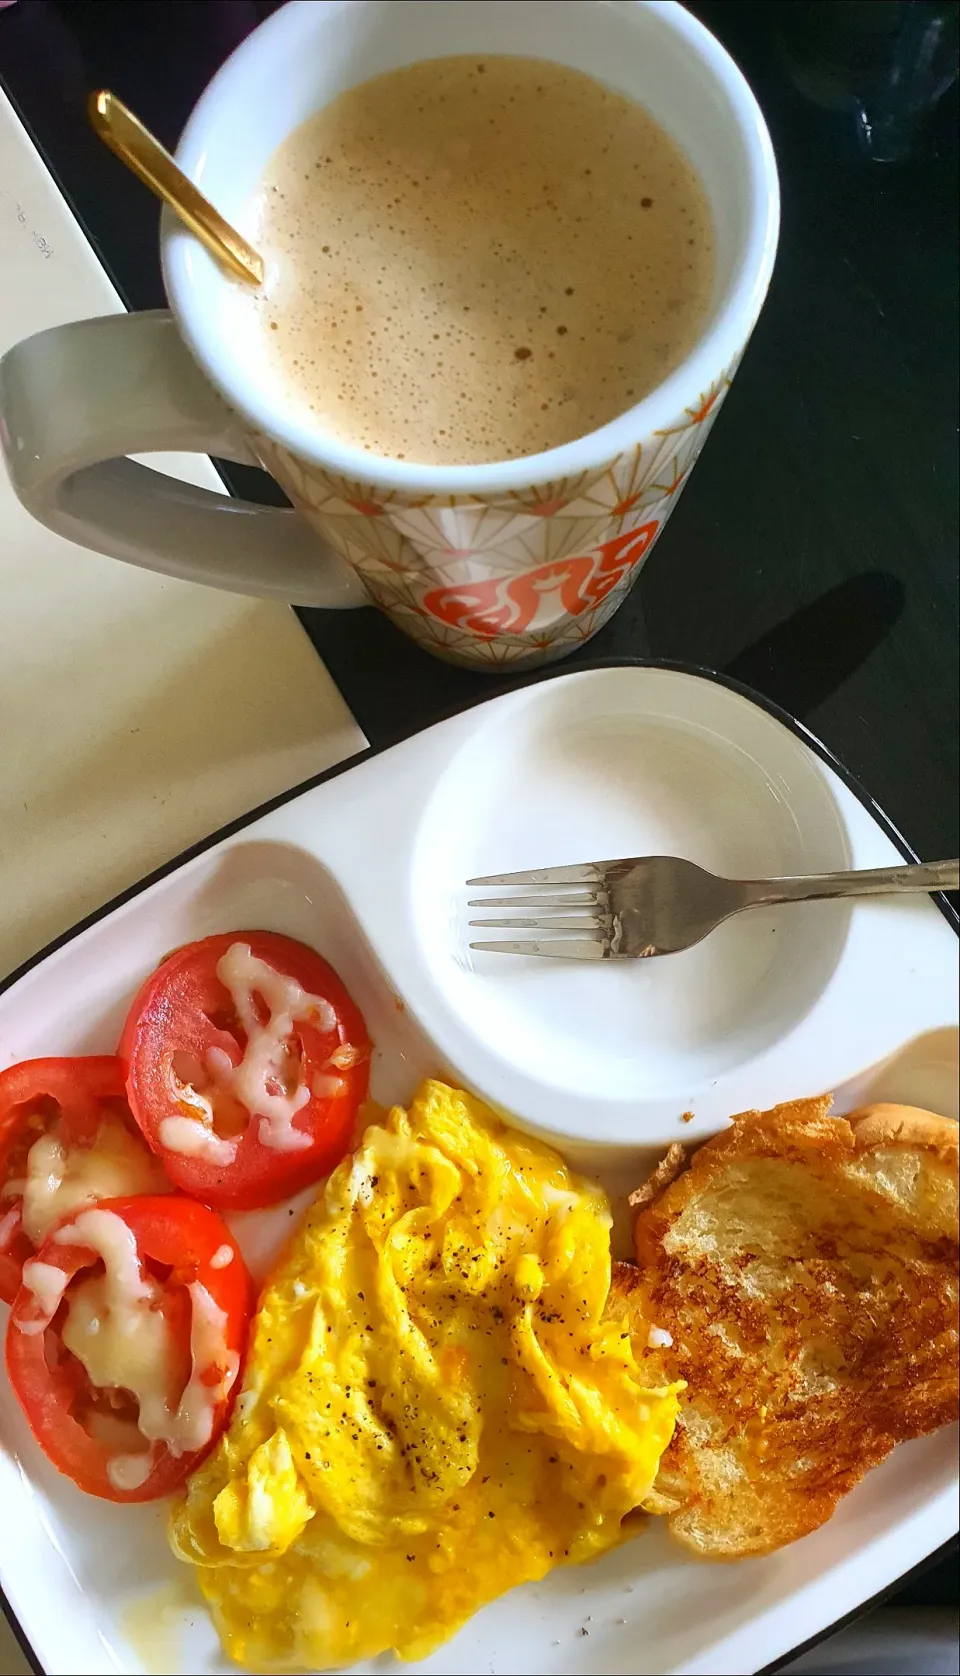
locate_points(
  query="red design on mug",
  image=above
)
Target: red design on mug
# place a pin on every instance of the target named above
(676, 480)
(545, 508)
(623, 506)
(698, 414)
(509, 604)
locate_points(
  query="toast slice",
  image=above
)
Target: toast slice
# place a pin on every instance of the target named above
(804, 1269)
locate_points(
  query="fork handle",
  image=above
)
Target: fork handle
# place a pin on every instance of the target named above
(874, 881)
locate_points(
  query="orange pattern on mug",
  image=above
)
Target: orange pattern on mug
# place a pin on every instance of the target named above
(509, 604)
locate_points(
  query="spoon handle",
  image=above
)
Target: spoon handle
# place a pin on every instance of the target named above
(874, 881)
(152, 164)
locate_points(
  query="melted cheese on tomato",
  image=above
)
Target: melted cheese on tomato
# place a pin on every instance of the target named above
(116, 1328)
(193, 1139)
(347, 1055)
(128, 1472)
(47, 1283)
(326, 1085)
(9, 1223)
(268, 1080)
(60, 1180)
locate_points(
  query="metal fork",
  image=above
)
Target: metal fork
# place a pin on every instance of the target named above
(659, 904)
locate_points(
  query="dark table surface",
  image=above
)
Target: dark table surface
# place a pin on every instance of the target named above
(814, 554)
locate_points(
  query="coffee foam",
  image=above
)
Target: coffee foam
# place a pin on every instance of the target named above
(477, 259)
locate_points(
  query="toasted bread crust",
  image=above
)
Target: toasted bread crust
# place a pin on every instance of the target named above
(906, 1126)
(673, 1161)
(625, 1285)
(805, 1266)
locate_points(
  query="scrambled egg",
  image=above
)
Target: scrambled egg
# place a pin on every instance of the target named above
(435, 1406)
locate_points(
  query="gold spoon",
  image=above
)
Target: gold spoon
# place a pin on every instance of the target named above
(151, 163)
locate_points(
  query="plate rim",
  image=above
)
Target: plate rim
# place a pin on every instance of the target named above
(502, 690)
(517, 683)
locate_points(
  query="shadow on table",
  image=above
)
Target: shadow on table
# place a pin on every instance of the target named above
(802, 660)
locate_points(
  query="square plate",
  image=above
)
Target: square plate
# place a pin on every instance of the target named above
(368, 866)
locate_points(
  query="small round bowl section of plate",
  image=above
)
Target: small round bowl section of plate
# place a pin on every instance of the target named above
(619, 763)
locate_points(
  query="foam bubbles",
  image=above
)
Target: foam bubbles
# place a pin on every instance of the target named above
(476, 261)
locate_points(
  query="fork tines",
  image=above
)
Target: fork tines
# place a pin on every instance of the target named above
(590, 916)
(584, 873)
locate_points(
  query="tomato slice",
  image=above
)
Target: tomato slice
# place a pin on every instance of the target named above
(77, 1109)
(163, 1302)
(246, 1065)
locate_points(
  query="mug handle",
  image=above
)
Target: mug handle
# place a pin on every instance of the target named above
(76, 399)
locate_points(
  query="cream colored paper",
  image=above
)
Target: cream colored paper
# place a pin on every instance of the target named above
(137, 714)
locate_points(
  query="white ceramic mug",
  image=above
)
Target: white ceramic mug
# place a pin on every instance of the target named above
(517, 562)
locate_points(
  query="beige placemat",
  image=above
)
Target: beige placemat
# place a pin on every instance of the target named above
(12, 1661)
(137, 714)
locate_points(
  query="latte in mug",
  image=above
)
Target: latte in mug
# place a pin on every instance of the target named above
(475, 259)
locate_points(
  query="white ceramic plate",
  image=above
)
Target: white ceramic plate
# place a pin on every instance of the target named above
(368, 866)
